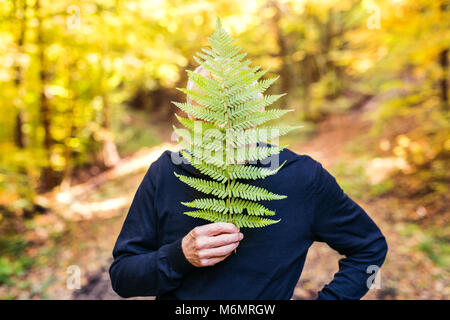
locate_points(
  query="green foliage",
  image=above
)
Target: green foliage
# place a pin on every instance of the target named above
(382, 188)
(227, 133)
(432, 241)
(13, 262)
(10, 268)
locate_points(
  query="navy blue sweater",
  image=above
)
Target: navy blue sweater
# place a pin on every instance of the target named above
(149, 261)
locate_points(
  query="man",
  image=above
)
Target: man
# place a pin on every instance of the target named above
(162, 252)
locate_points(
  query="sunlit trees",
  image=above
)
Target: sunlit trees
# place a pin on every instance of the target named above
(69, 71)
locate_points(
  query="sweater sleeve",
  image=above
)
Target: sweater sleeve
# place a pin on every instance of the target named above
(142, 267)
(345, 227)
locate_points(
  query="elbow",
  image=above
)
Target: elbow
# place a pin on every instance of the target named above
(129, 278)
(114, 275)
(385, 249)
(375, 254)
(382, 251)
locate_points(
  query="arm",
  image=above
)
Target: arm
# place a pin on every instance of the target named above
(345, 227)
(141, 267)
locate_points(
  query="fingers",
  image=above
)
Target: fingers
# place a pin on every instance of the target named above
(218, 252)
(209, 244)
(214, 229)
(205, 242)
(208, 262)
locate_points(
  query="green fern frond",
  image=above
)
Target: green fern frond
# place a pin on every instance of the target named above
(239, 220)
(234, 171)
(206, 156)
(211, 85)
(208, 169)
(249, 75)
(189, 124)
(257, 118)
(236, 206)
(224, 138)
(250, 92)
(212, 103)
(249, 107)
(251, 172)
(250, 192)
(256, 153)
(202, 113)
(209, 142)
(205, 186)
(240, 138)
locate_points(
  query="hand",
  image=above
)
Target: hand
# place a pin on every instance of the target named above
(211, 243)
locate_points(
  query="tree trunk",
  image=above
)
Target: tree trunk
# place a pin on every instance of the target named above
(71, 114)
(20, 15)
(110, 153)
(443, 57)
(48, 177)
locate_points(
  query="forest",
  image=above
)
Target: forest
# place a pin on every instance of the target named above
(85, 100)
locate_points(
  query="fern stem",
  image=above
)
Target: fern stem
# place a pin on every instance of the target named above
(228, 174)
(226, 146)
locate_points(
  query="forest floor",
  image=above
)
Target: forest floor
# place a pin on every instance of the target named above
(88, 219)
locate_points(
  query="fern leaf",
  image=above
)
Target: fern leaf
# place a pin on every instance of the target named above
(204, 155)
(240, 138)
(207, 142)
(256, 153)
(208, 169)
(229, 121)
(202, 113)
(250, 192)
(251, 172)
(236, 206)
(252, 106)
(239, 220)
(205, 186)
(258, 118)
(190, 124)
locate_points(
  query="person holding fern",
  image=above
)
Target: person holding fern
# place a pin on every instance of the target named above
(231, 216)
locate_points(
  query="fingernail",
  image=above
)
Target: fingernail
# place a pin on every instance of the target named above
(241, 236)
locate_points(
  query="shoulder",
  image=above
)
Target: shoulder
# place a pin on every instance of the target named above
(302, 162)
(162, 164)
(162, 161)
(291, 156)
(313, 176)
(303, 167)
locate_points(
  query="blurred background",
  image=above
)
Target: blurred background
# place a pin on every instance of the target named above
(85, 91)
